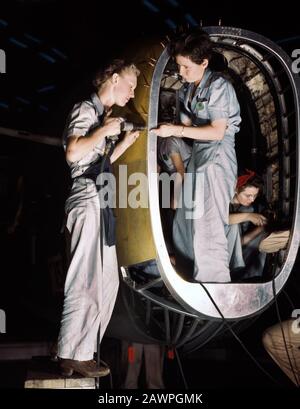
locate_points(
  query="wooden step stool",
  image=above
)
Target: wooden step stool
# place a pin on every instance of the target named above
(44, 374)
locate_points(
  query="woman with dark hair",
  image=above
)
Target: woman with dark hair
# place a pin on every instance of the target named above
(246, 228)
(210, 115)
(92, 279)
(249, 237)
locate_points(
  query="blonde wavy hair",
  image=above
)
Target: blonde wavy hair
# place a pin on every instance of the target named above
(117, 66)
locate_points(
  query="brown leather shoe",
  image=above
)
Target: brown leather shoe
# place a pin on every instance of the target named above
(88, 369)
(54, 351)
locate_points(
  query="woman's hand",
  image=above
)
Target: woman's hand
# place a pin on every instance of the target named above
(257, 219)
(131, 137)
(112, 126)
(166, 130)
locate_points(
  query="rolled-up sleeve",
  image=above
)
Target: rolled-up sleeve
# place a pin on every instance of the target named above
(218, 106)
(81, 119)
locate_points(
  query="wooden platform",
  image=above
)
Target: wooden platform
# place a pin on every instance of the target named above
(44, 374)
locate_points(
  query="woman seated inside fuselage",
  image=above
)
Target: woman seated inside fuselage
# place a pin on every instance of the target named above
(246, 229)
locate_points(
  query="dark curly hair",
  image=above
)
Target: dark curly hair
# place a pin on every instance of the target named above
(116, 66)
(195, 45)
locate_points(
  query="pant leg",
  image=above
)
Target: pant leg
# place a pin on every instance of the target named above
(90, 291)
(274, 345)
(109, 287)
(254, 259)
(132, 369)
(209, 241)
(154, 360)
(233, 235)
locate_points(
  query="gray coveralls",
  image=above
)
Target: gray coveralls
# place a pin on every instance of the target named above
(201, 238)
(167, 146)
(92, 280)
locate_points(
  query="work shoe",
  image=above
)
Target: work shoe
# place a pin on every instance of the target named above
(54, 352)
(276, 241)
(88, 369)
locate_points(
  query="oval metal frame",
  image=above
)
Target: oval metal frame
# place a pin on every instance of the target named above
(234, 300)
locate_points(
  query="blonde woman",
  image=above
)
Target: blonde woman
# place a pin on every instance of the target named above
(92, 279)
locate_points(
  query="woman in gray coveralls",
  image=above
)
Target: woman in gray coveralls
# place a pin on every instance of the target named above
(92, 279)
(210, 115)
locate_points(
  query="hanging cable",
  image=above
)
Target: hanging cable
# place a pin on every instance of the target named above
(181, 370)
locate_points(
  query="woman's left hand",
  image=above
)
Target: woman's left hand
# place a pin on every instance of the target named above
(258, 219)
(131, 137)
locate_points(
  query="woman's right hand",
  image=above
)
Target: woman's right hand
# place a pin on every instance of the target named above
(257, 219)
(112, 126)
